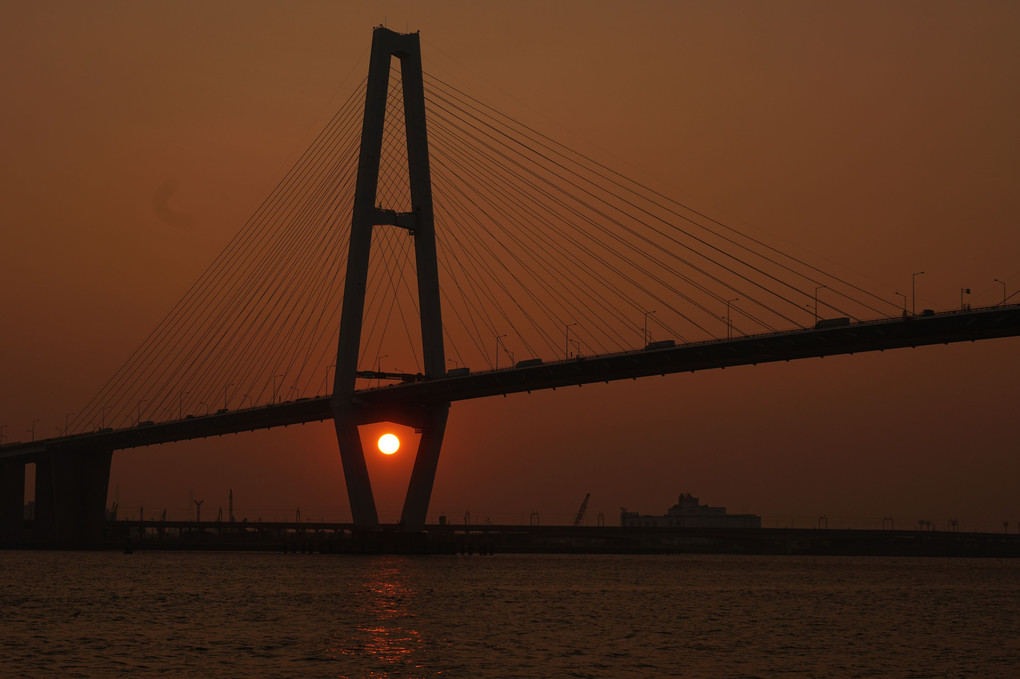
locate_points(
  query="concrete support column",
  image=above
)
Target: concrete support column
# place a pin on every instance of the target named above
(70, 497)
(359, 485)
(12, 500)
(43, 526)
(423, 476)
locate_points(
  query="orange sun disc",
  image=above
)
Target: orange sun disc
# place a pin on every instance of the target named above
(388, 444)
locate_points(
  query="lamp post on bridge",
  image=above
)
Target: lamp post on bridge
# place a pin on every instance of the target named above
(102, 416)
(498, 338)
(729, 323)
(276, 389)
(32, 430)
(646, 336)
(139, 420)
(820, 287)
(198, 510)
(913, 292)
(328, 369)
(225, 394)
(180, 405)
(1003, 284)
(67, 422)
(904, 301)
(566, 341)
(963, 291)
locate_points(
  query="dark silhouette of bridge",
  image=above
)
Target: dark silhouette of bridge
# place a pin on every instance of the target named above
(72, 471)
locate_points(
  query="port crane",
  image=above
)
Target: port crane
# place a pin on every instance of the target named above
(580, 512)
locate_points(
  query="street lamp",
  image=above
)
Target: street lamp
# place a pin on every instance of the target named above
(32, 430)
(67, 419)
(180, 405)
(225, 394)
(139, 420)
(275, 388)
(498, 338)
(328, 369)
(566, 341)
(378, 367)
(729, 323)
(904, 301)
(102, 416)
(913, 292)
(646, 336)
(963, 291)
(1003, 284)
(820, 287)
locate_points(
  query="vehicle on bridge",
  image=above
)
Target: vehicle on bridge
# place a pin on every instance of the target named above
(823, 323)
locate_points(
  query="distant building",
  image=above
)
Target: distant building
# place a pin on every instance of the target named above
(688, 512)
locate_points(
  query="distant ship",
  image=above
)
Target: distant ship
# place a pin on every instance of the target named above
(688, 512)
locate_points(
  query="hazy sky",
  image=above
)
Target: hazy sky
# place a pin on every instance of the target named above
(878, 139)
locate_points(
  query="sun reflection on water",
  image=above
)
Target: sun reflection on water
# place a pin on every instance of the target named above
(385, 641)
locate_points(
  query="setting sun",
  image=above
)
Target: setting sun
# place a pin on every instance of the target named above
(388, 444)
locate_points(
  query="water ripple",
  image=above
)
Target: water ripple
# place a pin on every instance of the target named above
(258, 615)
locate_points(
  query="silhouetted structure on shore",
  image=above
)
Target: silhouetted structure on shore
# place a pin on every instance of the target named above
(346, 538)
(688, 512)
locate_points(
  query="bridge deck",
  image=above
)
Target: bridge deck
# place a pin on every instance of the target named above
(878, 335)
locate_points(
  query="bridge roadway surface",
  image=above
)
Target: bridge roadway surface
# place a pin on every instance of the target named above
(399, 402)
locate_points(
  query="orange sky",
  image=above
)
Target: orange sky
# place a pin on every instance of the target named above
(878, 139)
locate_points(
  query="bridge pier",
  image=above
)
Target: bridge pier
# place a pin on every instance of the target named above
(12, 500)
(359, 485)
(70, 497)
(423, 475)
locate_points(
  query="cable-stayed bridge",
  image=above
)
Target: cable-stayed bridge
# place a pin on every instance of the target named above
(428, 240)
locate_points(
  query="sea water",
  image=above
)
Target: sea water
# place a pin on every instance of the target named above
(228, 614)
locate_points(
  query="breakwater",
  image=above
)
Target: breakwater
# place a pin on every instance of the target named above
(448, 538)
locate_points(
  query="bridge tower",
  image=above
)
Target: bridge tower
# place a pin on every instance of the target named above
(367, 214)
